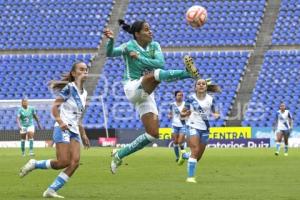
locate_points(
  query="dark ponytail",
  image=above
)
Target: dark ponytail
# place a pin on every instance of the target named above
(58, 85)
(137, 26)
(125, 27)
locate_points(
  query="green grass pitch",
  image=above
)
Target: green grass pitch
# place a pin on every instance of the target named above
(226, 174)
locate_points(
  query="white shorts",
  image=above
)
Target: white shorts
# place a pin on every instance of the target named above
(143, 102)
(25, 130)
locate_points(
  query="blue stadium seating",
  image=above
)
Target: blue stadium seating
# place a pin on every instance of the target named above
(29, 74)
(225, 68)
(278, 81)
(51, 24)
(229, 22)
(8, 117)
(287, 29)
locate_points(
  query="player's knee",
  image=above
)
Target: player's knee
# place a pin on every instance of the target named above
(195, 151)
(63, 163)
(155, 134)
(74, 164)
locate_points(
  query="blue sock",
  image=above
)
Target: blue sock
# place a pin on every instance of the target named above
(286, 148)
(31, 145)
(139, 143)
(191, 167)
(23, 146)
(277, 147)
(176, 150)
(42, 164)
(60, 181)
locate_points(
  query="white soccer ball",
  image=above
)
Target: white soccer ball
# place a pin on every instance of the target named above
(154, 145)
(196, 16)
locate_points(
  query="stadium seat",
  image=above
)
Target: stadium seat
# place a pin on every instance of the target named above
(211, 64)
(287, 28)
(278, 82)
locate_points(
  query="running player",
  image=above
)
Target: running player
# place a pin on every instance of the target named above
(68, 111)
(178, 123)
(283, 126)
(25, 123)
(144, 71)
(199, 107)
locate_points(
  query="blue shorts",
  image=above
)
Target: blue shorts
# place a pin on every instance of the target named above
(285, 132)
(202, 134)
(177, 130)
(60, 136)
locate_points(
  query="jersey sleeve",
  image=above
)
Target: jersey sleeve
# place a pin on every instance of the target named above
(157, 63)
(112, 51)
(65, 92)
(188, 103)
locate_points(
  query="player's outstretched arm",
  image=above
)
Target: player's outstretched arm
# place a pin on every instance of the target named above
(112, 51)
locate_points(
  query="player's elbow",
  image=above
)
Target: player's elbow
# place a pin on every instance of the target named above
(161, 64)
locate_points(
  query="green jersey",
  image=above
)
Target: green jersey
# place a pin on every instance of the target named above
(149, 58)
(26, 116)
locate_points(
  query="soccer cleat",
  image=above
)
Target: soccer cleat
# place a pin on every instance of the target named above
(181, 159)
(115, 162)
(191, 180)
(190, 67)
(276, 153)
(286, 154)
(31, 154)
(23, 154)
(49, 193)
(28, 167)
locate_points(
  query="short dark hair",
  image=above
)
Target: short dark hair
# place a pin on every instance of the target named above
(177, 91)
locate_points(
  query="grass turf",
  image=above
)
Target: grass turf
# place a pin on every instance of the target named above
(152, 173)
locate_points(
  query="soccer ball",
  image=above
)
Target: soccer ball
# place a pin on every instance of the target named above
(154, 145)
(196, 16)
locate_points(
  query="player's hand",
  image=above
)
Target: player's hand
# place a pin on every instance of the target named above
(134, 55)
(85, 141)
(188, 112)
(63, 126)
(108, 33)
(216, 115)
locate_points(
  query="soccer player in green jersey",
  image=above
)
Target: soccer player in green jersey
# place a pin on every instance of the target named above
(144, 71)
(25, 123)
